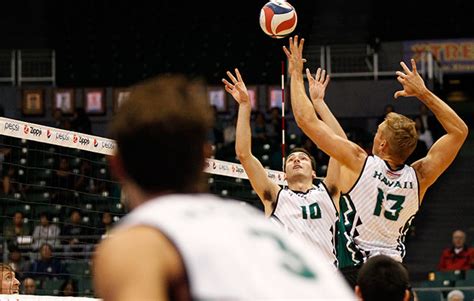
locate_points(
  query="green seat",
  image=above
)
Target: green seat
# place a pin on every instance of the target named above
(468, 295)
(51, 287)
(469, 275)
(437, 283)
(429, 296)
(79, 269)
(465, 282)
(449, 275)
(85, 287)
(11, 209)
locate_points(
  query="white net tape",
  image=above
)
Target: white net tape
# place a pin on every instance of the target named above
(96, 144)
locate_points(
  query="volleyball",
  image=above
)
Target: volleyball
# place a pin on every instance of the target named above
(278, 18)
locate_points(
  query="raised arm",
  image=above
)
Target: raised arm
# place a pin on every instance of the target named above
(266, 189)
(445, 149)
(346, 152)
(317, 91)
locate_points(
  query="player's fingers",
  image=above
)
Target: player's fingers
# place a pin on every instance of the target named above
(399, 93)
(318, 74)
(413, 66)
(232, 77)
(326, 81)
(226, 82)
(287, 52)
(405, 68)
(301, 44)
(323, 75)
(401, 74)
(239, 77)
(229, 90)
(308, 75)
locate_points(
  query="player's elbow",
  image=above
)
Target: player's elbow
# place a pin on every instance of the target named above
(461, 132)
(464, 131)
(242, 153)
(303, 120)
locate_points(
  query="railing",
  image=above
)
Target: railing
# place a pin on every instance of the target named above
(18, 67)
(361, 61)
(7, 66)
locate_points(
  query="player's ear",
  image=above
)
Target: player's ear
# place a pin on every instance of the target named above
(208, 150)
(358, 293)
(407, 295)
(313, 174)
(116, 167)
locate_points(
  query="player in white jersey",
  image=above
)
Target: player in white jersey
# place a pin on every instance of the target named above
(304, 209)
(381, 193)
(180, 243)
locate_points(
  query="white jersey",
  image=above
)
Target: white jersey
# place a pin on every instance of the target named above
(379, 209)
(310, 215)
(232, 252)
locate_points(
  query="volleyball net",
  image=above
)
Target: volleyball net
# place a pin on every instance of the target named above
(58, 200)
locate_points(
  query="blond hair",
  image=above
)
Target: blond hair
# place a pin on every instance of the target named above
(401, 135)
(4, 266)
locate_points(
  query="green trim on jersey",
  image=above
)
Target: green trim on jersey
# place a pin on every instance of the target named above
(348, 255)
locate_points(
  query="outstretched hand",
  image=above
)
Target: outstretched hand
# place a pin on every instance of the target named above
(295, 55)
(413, 84)
(317, 84)
(237, 88)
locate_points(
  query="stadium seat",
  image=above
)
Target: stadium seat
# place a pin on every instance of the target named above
(449, 275)
(468, 295)
(436, 283)
(469, 275)
(79, 269)
(429, 296)
(85, 286)
(465, 282)
(51, 287)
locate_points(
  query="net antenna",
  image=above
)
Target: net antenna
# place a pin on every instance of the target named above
(283, 115)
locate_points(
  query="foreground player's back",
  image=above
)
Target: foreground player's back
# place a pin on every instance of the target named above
(231, 252)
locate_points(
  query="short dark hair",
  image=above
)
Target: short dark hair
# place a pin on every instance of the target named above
(383, 278)
(303, 150)
(161, 131)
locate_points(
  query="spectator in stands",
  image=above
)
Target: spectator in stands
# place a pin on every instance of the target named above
(425, 140)
(459, 256)
(216, 134)
(107, 223)
(29, 286)
(86, 182)
(274, 126)
(72, 232)
(16, 228)
(47, 266)
(10, 285)
(430, 122)
(69, 288)
(81, 122)
(424, 134)
(10, 182)
(64, 179)
(383, 278)
(229, 131)
(59, 121)
(4, 152)
(17, 262)
(45, 232)
(260, 128)
(455, 295)
(387, 109)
